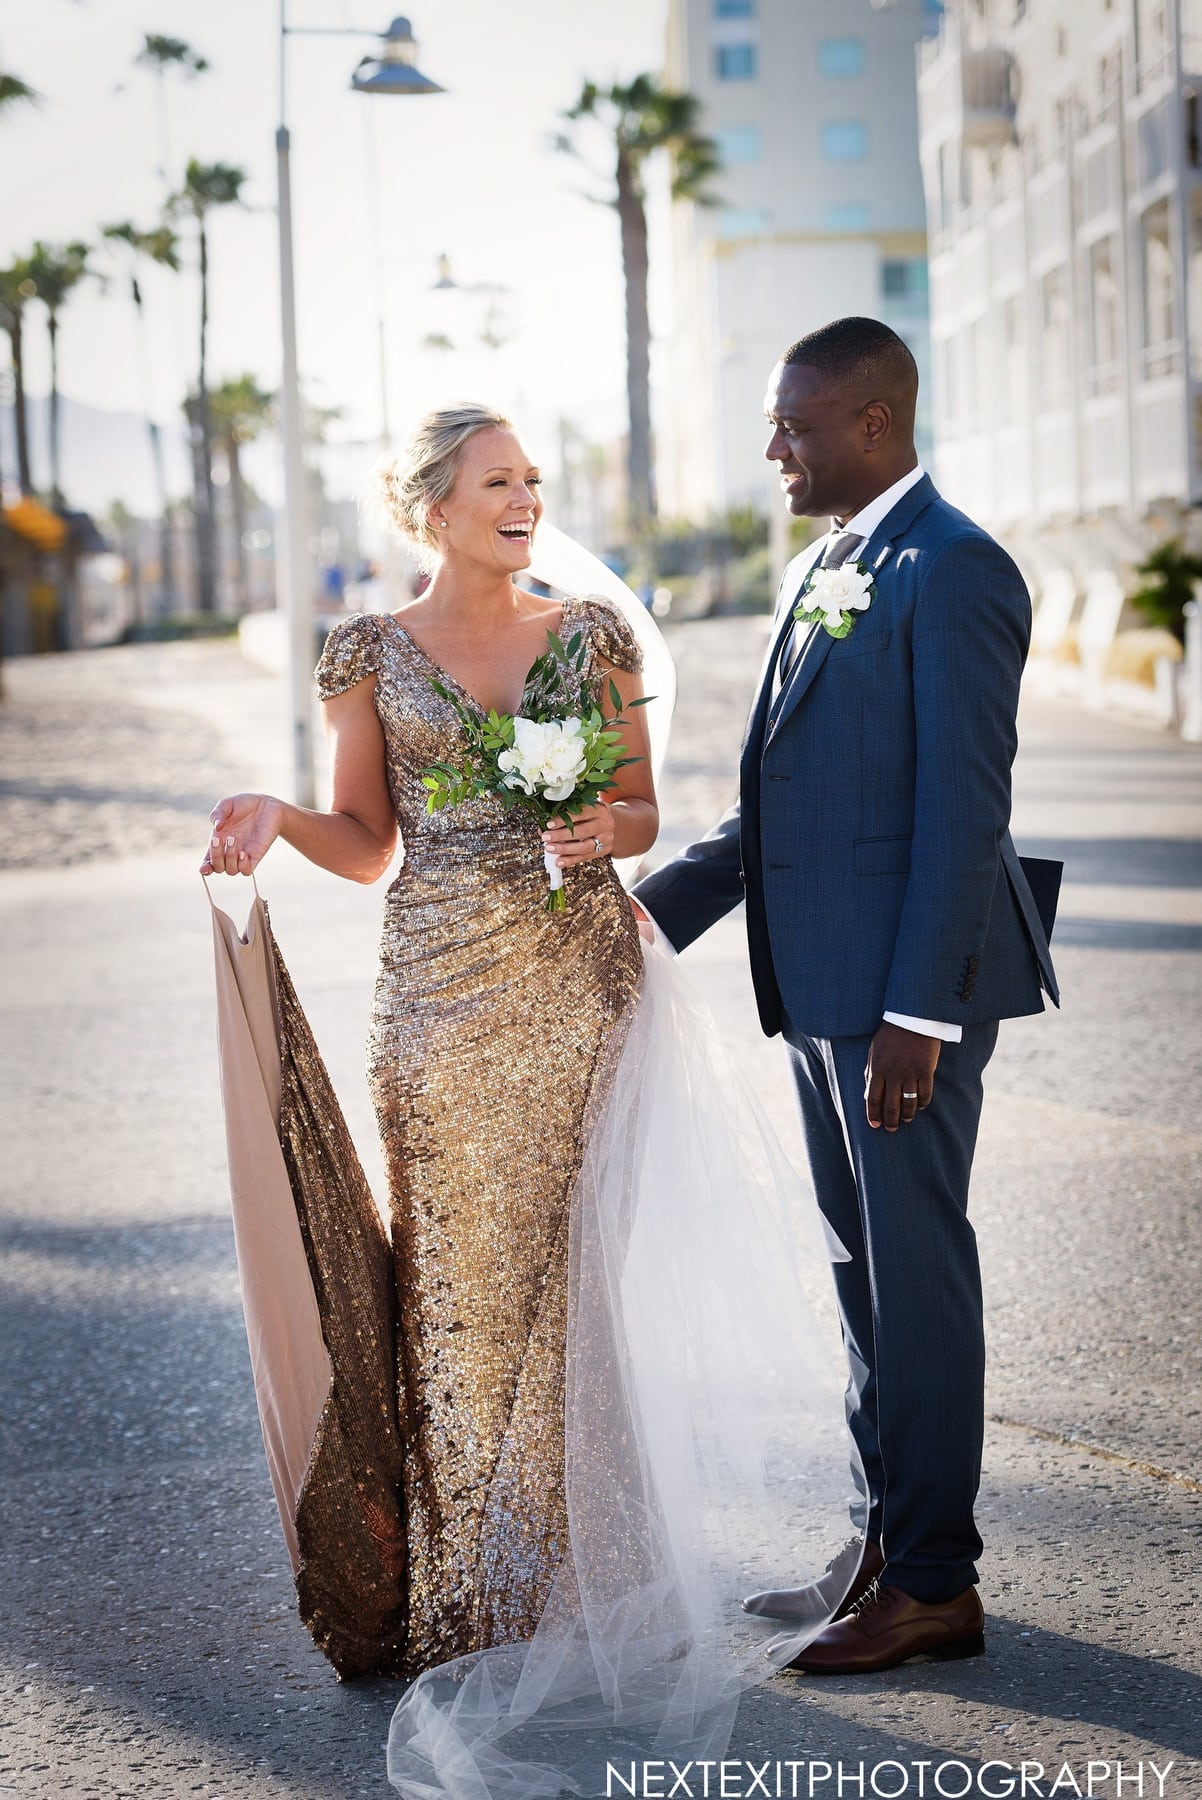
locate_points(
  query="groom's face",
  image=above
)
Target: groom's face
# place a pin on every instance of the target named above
(816, 440)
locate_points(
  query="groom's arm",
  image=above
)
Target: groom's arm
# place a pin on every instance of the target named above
(698, 886)
(971, 629)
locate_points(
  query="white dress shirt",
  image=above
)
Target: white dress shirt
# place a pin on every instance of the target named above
(864, 523)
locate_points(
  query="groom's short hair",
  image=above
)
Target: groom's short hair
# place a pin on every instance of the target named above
(861, 354)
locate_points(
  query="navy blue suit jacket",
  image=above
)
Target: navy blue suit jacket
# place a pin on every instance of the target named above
(871, 834)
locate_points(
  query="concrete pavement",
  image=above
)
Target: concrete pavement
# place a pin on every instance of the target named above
(149, 1643)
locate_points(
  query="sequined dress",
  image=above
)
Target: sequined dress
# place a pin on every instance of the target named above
(495, 1030)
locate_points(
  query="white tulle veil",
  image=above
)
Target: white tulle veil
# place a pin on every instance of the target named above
(705, 1439)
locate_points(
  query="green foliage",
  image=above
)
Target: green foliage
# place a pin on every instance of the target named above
(643, 117)
(13, 89)
(240, 408)
(207, 185)
(555, 689)
(159, 52)
(1171, 572)
(53, 270)
(160, 244)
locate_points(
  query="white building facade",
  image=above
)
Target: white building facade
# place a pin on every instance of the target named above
(821, 214)
(1063, 169)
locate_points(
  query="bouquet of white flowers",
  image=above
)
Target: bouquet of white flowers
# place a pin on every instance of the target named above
(554, 758)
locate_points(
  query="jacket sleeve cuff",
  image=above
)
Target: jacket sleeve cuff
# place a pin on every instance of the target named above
(936, 1028)
(662, 940)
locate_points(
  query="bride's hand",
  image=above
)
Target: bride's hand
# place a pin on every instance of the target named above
(244, 828)
(582, 838)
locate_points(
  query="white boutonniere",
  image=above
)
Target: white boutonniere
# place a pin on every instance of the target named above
(836, 596)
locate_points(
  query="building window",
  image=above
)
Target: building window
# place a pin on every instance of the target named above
(1105, 350)
(735, 62)
(844, 140)
(746, 222)
(734, 9)
(848, 215)
(904, 278)
(1160, 299)
(740, 144)
(841, 56)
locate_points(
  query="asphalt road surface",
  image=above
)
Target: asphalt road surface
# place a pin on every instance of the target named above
(149, 1639)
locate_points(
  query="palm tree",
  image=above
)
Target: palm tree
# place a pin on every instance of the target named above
(642, 117)
(54, 271)
(13, 89)
(159, 54)
(12, 92)
(16, 287)
(240, 409)
(206, 185)
(160, 245)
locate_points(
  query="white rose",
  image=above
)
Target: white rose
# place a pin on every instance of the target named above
(846, 589)
(563, 758)
(523, 764)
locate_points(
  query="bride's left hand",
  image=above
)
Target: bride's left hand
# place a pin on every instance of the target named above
(583, 838)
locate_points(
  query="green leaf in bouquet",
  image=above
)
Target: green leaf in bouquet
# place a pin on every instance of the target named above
(615, 697)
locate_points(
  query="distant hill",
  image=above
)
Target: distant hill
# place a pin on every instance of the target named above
(105, 455)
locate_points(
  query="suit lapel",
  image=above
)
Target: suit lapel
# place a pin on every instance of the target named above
(876, 554)
(781, 627)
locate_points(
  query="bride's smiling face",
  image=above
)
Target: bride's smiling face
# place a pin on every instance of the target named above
(490, 515)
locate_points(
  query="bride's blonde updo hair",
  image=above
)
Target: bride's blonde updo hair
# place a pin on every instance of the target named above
(413, 483)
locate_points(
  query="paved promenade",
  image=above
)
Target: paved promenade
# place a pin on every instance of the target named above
(148, 1639)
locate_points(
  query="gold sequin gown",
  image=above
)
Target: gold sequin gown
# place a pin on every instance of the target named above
(495, 1029)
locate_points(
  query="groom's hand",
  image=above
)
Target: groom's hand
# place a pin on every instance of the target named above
(900, 1078)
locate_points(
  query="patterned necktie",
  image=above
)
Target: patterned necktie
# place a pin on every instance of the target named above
(841, 549)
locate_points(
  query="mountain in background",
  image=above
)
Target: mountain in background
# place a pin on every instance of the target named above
(106, 457)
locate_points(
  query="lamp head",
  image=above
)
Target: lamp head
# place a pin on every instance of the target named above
(394, 70)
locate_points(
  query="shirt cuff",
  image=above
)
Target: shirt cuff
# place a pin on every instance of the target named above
(936, 1028)
(662, 940)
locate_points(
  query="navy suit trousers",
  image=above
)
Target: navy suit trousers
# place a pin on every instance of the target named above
(909, 1299)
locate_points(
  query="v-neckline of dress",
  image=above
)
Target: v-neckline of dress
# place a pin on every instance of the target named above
(445, 674)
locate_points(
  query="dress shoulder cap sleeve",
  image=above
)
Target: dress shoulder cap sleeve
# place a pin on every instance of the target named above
(350, 655)
(613, 639)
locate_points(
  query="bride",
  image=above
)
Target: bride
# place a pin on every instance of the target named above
(605, 1418)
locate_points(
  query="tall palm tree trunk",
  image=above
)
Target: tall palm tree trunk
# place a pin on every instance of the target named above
(632, 218)
(166, 596)
(238, 508)
(206, 513)
(20, 405)
(56, 488)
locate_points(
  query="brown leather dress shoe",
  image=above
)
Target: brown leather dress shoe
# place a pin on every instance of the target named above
(887, 1627)
(848, 1575)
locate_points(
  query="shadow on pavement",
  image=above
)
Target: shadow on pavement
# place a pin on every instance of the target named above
(1126, 934)
(1123, 861)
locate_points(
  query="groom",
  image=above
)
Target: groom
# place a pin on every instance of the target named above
(890, 926)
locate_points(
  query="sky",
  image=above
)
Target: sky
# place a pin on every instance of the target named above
(381, 188)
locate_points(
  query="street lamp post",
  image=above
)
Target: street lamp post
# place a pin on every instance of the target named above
(392, 70)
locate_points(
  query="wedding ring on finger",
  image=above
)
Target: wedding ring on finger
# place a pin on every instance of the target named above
(597, 846)
(909, 1096)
